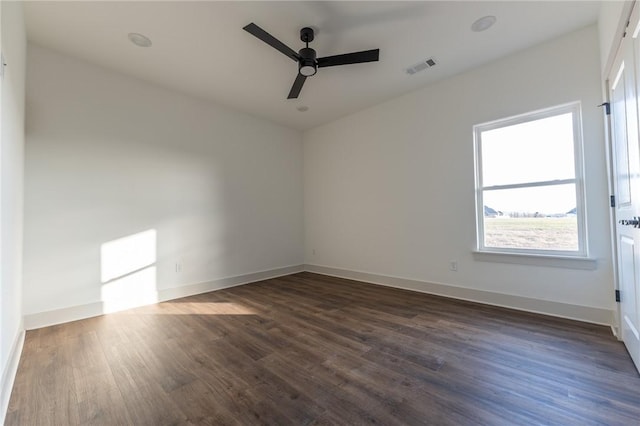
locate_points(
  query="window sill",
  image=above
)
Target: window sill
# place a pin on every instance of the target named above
(569, 262)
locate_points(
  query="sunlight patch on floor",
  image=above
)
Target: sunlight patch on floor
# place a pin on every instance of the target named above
(196, 308)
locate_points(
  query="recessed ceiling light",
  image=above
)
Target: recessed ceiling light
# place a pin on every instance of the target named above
(303, 108)
(139, 40)
(483, 23)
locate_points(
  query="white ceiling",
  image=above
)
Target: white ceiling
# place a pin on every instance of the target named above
(200, 48)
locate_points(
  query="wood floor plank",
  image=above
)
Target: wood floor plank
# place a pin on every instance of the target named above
(318, 350)
(99, 400)
(200, 405)
(47, 372)
(145, 399)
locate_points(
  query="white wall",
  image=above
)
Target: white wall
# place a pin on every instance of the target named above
(11, 178)
(108, 156)
(389, 191)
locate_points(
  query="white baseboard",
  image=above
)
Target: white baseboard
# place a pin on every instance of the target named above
(73, 313)
(9, 374)
(564, 310)
(616, 332)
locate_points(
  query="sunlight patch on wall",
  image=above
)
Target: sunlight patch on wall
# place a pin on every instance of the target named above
(126, 255)
(128, 271)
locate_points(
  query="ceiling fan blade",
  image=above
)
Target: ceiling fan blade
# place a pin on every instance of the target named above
(271, 41)
(297, 86)
(349, 58)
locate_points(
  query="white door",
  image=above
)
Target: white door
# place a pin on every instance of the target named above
(624, 89)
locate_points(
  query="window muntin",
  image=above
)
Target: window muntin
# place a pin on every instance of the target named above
(529, 192)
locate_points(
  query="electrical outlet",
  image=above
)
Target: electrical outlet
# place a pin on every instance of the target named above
(453, 265)
(178, 267)
(313, 252)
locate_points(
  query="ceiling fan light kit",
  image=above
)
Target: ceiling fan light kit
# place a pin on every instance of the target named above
(308, 62)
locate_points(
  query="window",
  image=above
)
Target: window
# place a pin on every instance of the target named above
(529, 192)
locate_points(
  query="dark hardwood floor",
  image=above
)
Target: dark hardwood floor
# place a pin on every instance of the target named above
(310, 349)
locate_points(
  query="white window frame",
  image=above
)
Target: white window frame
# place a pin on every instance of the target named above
(575, 109)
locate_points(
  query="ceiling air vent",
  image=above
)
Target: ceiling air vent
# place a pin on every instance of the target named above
(421, 66)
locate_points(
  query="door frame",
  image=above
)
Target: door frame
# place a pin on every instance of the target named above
(623, 23)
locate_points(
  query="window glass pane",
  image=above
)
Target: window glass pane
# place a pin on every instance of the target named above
(535, 151)
(542, 218)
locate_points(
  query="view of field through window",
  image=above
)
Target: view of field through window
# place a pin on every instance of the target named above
(544, 233)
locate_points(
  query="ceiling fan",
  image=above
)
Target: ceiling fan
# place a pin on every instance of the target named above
(308, 64)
